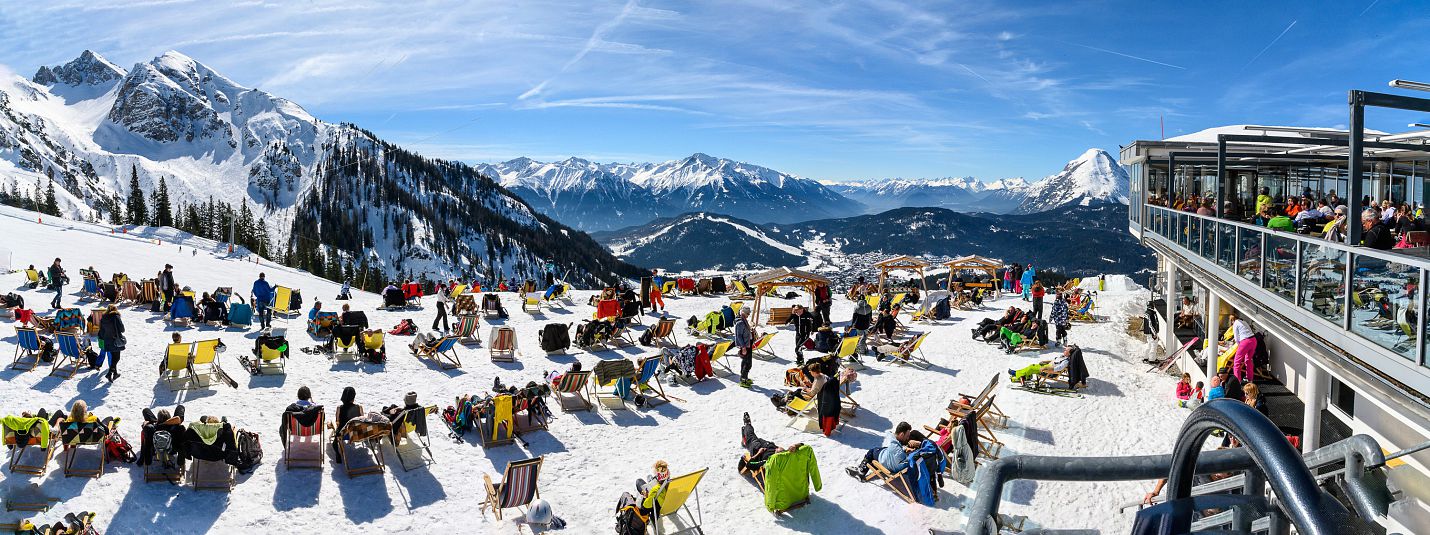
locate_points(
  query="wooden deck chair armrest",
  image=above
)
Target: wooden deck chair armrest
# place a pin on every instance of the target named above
(959, 405)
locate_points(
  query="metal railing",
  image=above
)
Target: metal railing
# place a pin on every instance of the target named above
(1371, 297)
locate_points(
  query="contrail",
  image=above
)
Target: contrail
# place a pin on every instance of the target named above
(1268, 45)
(1367, 8)
(1130, 56)
(975, 73)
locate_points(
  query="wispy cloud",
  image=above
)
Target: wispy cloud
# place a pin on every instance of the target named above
(1268, 45)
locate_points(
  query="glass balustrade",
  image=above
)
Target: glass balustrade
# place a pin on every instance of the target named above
(1226, 245)
(1194, 235)
(1248, 255)
(1382, 303)
(1323, 281)
(1279, 265)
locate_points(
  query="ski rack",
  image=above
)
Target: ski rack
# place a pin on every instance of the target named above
(1266, 458)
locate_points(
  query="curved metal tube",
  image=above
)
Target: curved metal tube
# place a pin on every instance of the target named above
(1358, 451)
(1281, 464)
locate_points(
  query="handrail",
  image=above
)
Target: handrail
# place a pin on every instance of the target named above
(1280, 464)
(1415, 261)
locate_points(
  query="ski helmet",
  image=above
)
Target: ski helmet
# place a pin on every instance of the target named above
(539, 513)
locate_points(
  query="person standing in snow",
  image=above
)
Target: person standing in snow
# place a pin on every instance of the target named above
(111, 339)
(1038, 292)
(166, 284)
(1027, 279)
(1061, 319)
(441, 312)
(57, 282)
(745, 341)
(823, 299)
(262, 297)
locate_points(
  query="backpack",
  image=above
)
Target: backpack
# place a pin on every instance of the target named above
(248, 451)
(629, 518)
(14, 300)
(404, 328)
(1262, 357)
(117, 448)
(941, 310)
(164, 452)
(647, 338)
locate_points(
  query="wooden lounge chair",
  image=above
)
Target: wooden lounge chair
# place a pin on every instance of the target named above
(993, 416)
(270, 360)
(443, 353)
(515, 490)
(499, 426)
(71, 354)
(895, 481)
(466, 331)
(570, 391)
(761, 349)
(305, 446)
(89, 438)
(491, 304)
(360, 438)
(211, 475)
(778, 316)
(409, 438)
(646, 382)
(202, 367)
(803, 410)
(27, 349)
(676, 499)
(176, 364)
(503, 346)
(31, 454)
(664, 332)
(531, 304)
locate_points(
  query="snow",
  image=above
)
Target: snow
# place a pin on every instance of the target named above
(591, 458)
(1209, 135)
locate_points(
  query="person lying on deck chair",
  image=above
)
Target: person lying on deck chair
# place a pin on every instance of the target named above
(211, 310)
(554, 377)
(893, 454)
(651, 495)
(758, 449)
(1046, 368)
(424, 340)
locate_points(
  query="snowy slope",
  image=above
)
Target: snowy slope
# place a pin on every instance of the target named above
(1093, 178)
(323, 191)
(590, 458)
(580, 193)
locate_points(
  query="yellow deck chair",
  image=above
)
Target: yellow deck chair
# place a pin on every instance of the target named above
(847, 346)
(283, 300)
(719, 351)
(176, 363)
(33, 276)
(457, 290)
(761, 349)
(906, 353)
(676, 499)
(205, 359)
(873, 301)
(803, 409)
(501, 427)
(531, 304)
(372, 340)
(270, 360)
(736, 306)
(898, 298)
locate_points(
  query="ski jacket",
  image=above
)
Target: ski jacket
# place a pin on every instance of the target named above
(788, 475)
(262, 292)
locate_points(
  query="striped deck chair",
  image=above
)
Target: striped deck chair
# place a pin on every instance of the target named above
(503, 346)
(409, 437)
(761, 349)
(467, 326)
(676, 499)
(515, 490)
(129, 292)
(71, 354)
(305, 446)
(27, 349)
(31, 454)
(148, 291)
(443, 353)
(664, 332)
(646, 382)
(570, 391)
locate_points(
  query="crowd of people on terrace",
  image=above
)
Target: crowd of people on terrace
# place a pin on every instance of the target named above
(1385, 225)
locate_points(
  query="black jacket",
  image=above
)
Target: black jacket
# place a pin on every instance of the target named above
(166, 280)
(1379, 237)
(828, 397)
(110, 329)
(306, 416)
(803, 324)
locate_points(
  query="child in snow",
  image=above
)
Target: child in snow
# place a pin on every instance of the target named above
(1198, 394)
(1217, 390)
(1184, 390)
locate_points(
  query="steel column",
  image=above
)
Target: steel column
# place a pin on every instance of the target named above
(1355, 174)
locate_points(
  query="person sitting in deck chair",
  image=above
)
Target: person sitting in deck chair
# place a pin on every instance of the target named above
(758, 450)
(553, 377)
(393, 412)
(652, 488)
(424, 341)
(210, 309)
(313, 326)
(303, 409)
(884, 326)
(348, 410)
(826, 340)
(893, 454)
(353, 317)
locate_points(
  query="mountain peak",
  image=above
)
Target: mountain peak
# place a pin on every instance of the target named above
(89, 69)
(1094, 177)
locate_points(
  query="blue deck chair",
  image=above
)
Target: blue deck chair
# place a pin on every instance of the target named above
(647, 384)
(71, 356)
(91, 286)
(182, 309)
(27, 349)
(240, 314)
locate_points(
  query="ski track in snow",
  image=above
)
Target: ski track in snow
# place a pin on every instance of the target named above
(591, 458)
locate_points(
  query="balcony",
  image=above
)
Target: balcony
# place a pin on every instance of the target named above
(1380, 321)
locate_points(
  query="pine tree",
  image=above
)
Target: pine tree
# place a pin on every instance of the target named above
(137, 210)
(163, 215)
(51, 207)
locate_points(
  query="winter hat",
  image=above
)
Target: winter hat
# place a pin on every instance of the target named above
(410, 399)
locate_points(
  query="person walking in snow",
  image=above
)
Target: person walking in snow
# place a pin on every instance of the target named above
(111, 339)
(262, 297)
(57, 282)
(1027, 280)
(441, 312)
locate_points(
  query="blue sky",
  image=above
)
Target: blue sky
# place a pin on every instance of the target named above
(826, 89)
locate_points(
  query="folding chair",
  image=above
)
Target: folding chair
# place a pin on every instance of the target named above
(345, 341)
(515, 490)
(129, 292)
(203, 362)
(283, 302)
(27, 349)
(570, 391)
(86, 434)
(503, 346)
(273, 359)
(176, 364)
(466, 332)
(443, 353)
(409, 437)
(803, 409)
(71, 354)
(677, 493)
(364, 438)
(212, 475)
(896, 482)
(491, 305)
(305, 446)
(32, 453)
(646, 382)
(905, 353)
(761, 349)
(716, 354)
(664, 332)
(499, 428)
(531, 304)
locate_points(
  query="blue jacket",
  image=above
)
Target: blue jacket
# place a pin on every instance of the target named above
(893, 457)
(1028, 277)
(262, 292)
(927, 463)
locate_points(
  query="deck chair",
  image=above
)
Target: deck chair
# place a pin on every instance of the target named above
(409, 438)
(570, 391)
(30, 452)
(896, 482)
(873, 300)
(515, 490)
(176, 363)
(89, 437)
(802, 409)
(499, 428)
(466, 332)
(664, 332)
(203, 362)
(993, 416)
(457, 290)
(491, 304)
(149, 291)
(71, 354)
(272, 359)
(897, 300)
(676, 498)
(305, 446)
(91, 284)
(35, 279)
(717, 352)
(1084, 312)
(607, 309)
(761, 349)
(443, 353)
(345, 341)
(503, 346)
(373, 344)
(283, 301)
(778, 316)
(907, 350)
(646, 382)
(211, 475)
(129, 292)
(323, 323)
(362, 438)
(531, 304)
(27, 349)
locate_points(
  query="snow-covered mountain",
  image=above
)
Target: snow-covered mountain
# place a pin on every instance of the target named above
(1093, 178)
(595, 196)
(323, 196)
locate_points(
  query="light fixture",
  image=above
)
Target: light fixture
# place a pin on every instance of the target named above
(1407, 84)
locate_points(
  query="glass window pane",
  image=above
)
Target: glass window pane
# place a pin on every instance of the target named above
(1248, 255)
(1209, 239)
(1280, 265)
(1194, 234)
(1381, 295)
(1226, 247)
(1323, 271)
